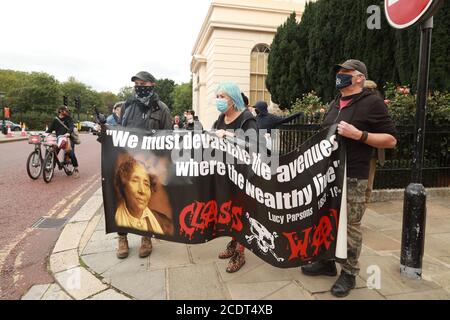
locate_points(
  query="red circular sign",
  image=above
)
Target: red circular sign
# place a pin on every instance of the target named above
(405, 13)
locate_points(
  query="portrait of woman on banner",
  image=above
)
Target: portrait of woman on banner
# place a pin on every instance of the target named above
(135, 188)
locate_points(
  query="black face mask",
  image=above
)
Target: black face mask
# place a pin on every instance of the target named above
(143, 91)
(343, 80)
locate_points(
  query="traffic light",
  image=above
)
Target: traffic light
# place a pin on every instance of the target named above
(77, 103)
(65, 101)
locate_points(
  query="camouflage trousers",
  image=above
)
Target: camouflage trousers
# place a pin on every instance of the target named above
(356, 206)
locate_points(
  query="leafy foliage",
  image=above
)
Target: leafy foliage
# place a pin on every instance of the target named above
(331, 31)
(182, 98)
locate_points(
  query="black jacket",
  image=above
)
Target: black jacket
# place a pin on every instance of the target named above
(246, 121)
(367, 112)
(155, 116)
(59, 128)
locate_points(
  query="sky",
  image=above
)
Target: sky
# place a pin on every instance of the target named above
(101, 43)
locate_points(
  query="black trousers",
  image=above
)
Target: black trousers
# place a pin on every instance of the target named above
(72, 155)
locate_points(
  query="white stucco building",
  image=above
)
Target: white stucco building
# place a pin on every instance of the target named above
(233, 45)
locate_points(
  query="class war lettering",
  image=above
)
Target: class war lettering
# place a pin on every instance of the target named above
(201, 215)
(321, 235)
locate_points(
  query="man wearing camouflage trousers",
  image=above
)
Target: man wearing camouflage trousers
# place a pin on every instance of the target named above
(364, 123)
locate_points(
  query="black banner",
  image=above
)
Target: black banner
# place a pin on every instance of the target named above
(192, 187)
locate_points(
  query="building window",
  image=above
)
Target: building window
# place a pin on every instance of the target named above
(258, 74)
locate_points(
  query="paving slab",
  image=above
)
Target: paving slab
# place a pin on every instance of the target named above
(168, 255)
(387, 207)
(92, 224)
(70, 237)
(442, 201)
(263, 273)
(356, 294)
(437, 225)
(64, 260)
(101, 262)
(143, 285)
(109, 295)
(36, 292)
(391, 281)
(437, 294)
(438, 209)
(292, 291)
(55, 293)
(79, 283)
(98, 246)
(378, 222)
(437, 245)
(195, 282)
(255, 291)
(366, 251)
(377, 241)
(124, 268)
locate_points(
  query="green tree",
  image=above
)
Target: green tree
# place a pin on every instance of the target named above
(89, 98)
(10, 80)
(165, 88)
(125, 93)
(283, 80)
(109, 99)
(182, 98)
(39, 92)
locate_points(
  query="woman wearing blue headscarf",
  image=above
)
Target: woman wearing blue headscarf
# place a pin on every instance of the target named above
(234, 117)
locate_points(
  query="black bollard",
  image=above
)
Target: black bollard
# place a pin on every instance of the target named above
(413, 234)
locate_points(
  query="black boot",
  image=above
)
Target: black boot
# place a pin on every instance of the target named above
(343, 285)
(320, 268)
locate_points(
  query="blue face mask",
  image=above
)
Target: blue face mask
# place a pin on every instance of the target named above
(343, 80)
(222, 105)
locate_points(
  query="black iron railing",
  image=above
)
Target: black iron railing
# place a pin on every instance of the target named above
(396, 172)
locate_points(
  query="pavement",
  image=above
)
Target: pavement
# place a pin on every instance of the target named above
(84, 265)
(16, 137)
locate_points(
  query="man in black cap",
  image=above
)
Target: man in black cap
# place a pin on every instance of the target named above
(364, 123)
(144, 111)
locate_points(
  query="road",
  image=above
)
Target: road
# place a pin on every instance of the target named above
(24, 249)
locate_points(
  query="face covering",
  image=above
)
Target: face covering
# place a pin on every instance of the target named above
(143, 91)
(343, 80)
(222, 105)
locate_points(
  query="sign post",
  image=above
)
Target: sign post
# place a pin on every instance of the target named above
(402, 14)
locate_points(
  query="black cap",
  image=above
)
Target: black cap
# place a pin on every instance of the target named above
(353, 64)
(144, 76)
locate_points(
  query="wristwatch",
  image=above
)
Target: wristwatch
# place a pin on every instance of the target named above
(364, 136)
